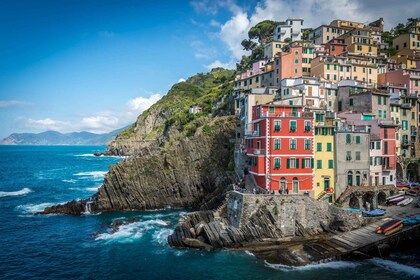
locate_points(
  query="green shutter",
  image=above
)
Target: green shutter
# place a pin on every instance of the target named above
(297, 163)
(312, 163)
(303, 163)
(288, 163)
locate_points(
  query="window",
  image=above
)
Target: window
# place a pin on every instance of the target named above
(351, 101)
(357, 139)
(378, 145)
(372, 145)
(329, 147)
(319, 164)
(379, 100)
(292, 144)
(277, 125)
(292, 163)
(357, 155)
(335, 66)
(319, 147)
(328, 76)
(385, 147)
(371, 160)
(328, 67)
(330, 164)
(296, 61)
(384, 114)
(307, 163)
(295, 185)
(277, 163)
(404, 125)
(378, 160)
(404, 112)
(283, 183)
(348, 155)
(385, 133)
(348, 139)
(277, 144)
(307, 126)
(292, 126)
(307, 144)
(271, 110)
(379, 113)
(384, 98)
(357, 178)
(413, 115)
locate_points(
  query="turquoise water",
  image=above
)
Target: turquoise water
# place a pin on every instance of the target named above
(66, 247)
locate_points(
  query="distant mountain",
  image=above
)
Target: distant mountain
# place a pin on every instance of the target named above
(57, 138)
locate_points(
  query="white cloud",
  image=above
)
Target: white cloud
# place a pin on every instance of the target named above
(140, 104)
(181, 80)
(233, 32)
(214, 23)
(99, 122)
(218, 63)
(13, 103)
(47, 124)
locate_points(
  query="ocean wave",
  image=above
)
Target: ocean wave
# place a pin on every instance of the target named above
(93, 189)
(161, 236)
(101, 156)
(69, 181)
(249, 253)
(16, 193)
(397, 267)
(325, 265)
(130, 232)
(84, 155)
(33, 208)
(94, 174)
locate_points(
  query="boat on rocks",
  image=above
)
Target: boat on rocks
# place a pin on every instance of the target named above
(394, 230)
(411, 221)
(374, 213)
(386, 227)
(405, 202)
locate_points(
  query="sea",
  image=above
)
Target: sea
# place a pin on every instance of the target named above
(85, 247)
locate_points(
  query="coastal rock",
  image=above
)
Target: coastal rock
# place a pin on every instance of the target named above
(263, 220)
(191, 173)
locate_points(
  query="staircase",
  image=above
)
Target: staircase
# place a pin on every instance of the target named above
(324, 195)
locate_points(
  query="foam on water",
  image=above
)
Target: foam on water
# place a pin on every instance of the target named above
(94, 174)
(16, 193)
(33, 208)
(326, 265)
(397, 267)
(69, 181)
(161, 236)
(130, 232)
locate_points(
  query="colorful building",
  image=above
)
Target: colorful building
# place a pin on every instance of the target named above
(292, 29)
(280, 148)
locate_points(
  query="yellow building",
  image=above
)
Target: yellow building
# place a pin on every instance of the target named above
(345, 24)
(272, 48)
(324, 164)
(351, 67)
(360, 41)
(407, 57)
(407, 41)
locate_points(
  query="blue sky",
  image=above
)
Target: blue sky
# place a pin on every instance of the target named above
(95, 65)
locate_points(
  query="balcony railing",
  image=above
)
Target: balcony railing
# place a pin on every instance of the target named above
(252, 133)
(259, 151)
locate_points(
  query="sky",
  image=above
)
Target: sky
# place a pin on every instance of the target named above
(95, 65)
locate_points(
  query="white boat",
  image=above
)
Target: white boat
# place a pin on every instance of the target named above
(405, 201)
(400, 194)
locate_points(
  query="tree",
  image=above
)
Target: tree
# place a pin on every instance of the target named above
(399, 29)
(387, 37)
(248, 44)
(263, 30)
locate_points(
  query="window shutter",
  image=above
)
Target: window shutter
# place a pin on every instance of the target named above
(312, 163)
(297, 163)
(303, 163)
(288, 163)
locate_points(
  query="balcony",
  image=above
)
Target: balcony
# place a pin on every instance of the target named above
(259, 151)
(254, 133)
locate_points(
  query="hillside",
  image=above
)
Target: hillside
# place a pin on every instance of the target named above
(177, 159)
(57, 138)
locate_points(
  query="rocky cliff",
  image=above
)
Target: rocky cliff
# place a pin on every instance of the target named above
(257, 221)
(176, 159)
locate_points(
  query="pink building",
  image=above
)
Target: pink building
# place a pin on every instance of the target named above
(409, 78)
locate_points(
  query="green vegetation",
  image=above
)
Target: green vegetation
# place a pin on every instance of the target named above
(203, 89)
(276, 210)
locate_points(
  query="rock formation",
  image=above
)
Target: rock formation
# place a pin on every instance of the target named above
(251, 221)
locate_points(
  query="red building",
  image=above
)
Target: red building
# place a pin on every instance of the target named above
(280, 147)
(389, 157)
(336, 46)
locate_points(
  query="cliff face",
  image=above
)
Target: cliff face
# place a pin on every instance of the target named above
(176, 159)
(254, 221)
(189, 173)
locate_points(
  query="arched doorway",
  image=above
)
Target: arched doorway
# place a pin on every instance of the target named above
(354, 202)
(381, 198)
(349, 178)
(400, 175)
(357, 178)
(412, 172)
(295, 185)
(367, 200)
(283, 185)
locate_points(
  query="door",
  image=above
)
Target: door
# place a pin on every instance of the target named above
(326, 184)
(295, 185)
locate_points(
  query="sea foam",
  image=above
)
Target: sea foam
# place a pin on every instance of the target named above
(16, 193)
(397, 267)
(94, 174)
(326, 265)
(33, 208)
